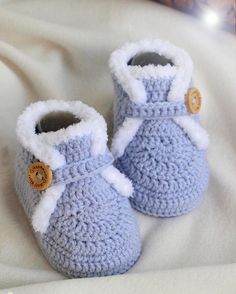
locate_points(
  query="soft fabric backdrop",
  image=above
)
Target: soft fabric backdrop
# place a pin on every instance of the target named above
(59, 49)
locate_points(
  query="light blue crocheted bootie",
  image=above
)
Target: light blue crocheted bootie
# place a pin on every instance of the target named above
(75, 199)
(158, 141)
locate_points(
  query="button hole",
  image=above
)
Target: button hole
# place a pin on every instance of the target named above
(39, 176)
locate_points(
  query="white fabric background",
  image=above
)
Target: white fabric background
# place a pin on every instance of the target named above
(59, 49)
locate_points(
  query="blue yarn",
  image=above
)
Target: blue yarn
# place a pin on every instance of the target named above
(92, 231)
(168, 171)
(75, 172)
(152, 110)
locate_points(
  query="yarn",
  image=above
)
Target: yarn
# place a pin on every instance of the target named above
(92, 231)
(153, 110)
(169, 173)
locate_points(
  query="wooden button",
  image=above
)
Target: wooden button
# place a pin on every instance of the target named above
(193, 100)
(39, 176)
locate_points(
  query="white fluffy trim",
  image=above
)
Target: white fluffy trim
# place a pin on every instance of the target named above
(195, 132)
(125, 135)
(130, 76)
(118, 180)
(152, 71)
(45, 208)
(42, 145)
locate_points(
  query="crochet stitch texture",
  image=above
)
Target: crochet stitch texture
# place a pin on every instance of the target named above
(92, 231)
(169, 173)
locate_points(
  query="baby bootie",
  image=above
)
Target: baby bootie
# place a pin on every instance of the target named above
(158, 141)
(75, 199)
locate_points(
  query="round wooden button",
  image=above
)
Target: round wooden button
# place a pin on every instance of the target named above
(39, 176)
(193, 100)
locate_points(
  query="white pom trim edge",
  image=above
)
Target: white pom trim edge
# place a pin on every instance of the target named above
(118, 180)
(43, 145)
(195, 132)
(47, 205)
(45, 208)
(130, 78)
(124, 135)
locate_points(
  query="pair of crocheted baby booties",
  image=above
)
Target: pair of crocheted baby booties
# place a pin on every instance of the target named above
(77, 201)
